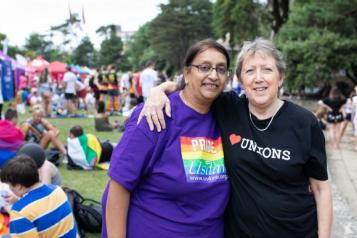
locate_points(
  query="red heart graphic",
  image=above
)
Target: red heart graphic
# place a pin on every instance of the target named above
(234, 138)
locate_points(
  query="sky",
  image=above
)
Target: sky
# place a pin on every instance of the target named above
(19, 18)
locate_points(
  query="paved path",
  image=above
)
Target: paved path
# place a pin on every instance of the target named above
(343, 173)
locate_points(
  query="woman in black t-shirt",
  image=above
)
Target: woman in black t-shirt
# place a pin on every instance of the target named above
(274, 152)
(334, 104)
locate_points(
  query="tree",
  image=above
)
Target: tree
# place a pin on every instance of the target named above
(84, 53)
(238, 19)
(319, 40)
(177, 27)
(37, 43)
(107, 30)
(111, 50)
(279, 12)
(12, 50)
(139, 49)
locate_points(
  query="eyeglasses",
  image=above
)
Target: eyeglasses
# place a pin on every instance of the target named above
(207, 69)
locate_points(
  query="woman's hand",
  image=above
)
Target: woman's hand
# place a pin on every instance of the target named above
(154, 105)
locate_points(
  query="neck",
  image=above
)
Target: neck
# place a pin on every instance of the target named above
(265, 112)
(29, 189)
(197, 105)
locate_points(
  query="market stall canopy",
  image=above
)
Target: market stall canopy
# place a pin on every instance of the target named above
(57, 67)
(38, 64)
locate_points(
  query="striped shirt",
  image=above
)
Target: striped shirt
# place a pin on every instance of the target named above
(43, 212)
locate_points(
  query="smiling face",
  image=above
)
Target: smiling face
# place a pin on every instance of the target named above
(204, 87)
(260, 80)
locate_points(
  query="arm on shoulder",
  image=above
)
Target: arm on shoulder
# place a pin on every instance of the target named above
(156, 103)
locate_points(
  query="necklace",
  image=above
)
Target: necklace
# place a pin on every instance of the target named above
(265, 128)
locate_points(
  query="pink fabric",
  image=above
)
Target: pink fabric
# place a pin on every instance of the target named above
(9, 133)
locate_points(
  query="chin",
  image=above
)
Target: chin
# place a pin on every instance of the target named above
(210, 96)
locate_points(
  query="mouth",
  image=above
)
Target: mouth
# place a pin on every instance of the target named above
(210, 85)
(260, 89)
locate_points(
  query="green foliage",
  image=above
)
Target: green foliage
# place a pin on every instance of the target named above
(139, 50)
(2, 37)
(84, 53)
(241, 19)
(37, 44)
(111, 50)
(177, 27)
(319, 40)
(107, 30)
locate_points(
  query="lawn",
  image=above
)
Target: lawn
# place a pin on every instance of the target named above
(89, 183)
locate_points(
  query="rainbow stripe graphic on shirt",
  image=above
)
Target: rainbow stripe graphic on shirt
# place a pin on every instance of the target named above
(203, 159)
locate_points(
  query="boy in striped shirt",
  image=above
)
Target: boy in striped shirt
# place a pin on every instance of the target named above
(42, 210)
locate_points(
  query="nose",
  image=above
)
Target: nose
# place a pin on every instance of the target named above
(259, 75)
(213, 74)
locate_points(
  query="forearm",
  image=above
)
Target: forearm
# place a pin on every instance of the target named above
(323, 200)
(117, 210)
(168, 87)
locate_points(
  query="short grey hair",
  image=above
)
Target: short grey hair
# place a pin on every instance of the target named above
(260, 45)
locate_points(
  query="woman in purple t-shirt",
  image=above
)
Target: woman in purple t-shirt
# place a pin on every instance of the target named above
(173, 184)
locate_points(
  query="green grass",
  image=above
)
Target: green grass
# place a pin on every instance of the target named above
(90, 184)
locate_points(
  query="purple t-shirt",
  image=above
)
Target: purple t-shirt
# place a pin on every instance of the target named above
(177, 178)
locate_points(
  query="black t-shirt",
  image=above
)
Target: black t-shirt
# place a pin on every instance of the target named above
(334, 104)
(269, 170)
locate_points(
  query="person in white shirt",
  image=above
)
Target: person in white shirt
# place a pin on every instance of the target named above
(148, 78)
(35, 98)
(69, 84)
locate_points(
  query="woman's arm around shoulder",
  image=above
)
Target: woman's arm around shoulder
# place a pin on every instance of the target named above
(156, 103)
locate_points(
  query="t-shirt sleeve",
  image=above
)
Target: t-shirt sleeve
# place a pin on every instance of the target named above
(133, 157)
(316, 166)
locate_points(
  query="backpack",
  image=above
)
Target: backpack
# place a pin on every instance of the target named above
(87, 212)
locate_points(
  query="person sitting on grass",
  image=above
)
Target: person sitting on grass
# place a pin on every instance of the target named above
(49, 173)
(101, 120)
(37, 129)
(84, 150)
(11, 138)
(42, 210)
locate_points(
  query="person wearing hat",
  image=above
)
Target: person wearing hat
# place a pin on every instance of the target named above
(49, 173)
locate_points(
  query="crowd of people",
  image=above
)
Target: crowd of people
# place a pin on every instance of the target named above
(105, 91)
(215, 163)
